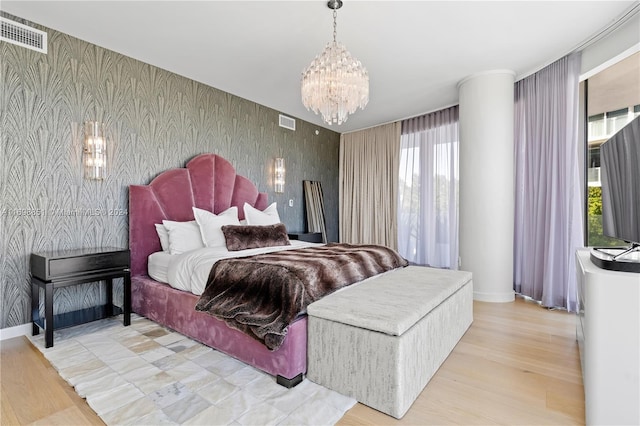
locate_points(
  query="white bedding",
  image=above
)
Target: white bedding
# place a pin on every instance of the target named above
(189, 271)
(158, 265)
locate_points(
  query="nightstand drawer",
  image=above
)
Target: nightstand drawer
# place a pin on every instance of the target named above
(77, 262)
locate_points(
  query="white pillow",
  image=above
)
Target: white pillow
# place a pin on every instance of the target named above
(183, 236)
(211, 225)
(163, 234)
(268, 216)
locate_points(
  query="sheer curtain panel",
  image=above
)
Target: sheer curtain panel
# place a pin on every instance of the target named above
(548, 216)
(369, 185)
(428, 193)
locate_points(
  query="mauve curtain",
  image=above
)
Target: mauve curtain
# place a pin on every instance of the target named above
(548, 214)
(428, 193)
(369, 185)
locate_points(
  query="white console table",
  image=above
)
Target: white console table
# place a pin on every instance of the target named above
(608, 332)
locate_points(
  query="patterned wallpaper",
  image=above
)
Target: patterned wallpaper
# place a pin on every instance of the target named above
(155, 120)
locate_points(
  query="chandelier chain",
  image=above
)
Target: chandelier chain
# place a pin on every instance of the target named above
(335, 24)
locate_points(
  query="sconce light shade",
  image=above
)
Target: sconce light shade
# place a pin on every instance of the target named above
(95, 150)
(278, 175)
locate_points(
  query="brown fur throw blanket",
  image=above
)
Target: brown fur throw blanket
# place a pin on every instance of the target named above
(261, 295)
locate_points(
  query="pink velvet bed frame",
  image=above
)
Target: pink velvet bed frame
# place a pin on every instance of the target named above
(208, 182)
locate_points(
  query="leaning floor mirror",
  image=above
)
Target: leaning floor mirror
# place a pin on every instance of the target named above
(314, 208)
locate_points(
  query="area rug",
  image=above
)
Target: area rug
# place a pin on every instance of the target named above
(146, 374)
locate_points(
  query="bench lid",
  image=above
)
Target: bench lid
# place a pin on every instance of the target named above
(393, 302)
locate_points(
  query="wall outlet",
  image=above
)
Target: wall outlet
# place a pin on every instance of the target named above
(291, 203)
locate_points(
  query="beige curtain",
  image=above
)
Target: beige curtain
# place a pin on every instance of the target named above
(369, 161)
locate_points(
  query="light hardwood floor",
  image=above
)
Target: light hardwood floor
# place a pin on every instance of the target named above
(32, 392)
(517, 364)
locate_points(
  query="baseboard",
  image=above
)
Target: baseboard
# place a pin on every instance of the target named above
(506, 297)
(17, 331)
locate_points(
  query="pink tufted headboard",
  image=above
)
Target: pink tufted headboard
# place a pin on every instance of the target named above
(208, 182)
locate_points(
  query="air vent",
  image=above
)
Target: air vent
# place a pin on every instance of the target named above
(23, 35)
(287, 122)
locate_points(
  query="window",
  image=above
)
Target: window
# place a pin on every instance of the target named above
(428, 193)
(613, 100)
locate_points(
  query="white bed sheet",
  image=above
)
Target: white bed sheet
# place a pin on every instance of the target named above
(158, 265)
(189, 271)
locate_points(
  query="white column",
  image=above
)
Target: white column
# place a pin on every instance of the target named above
(487, 200)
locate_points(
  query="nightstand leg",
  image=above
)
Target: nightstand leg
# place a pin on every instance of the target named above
(48, 315)
(109, 283)
(127, 298)
(35, 307)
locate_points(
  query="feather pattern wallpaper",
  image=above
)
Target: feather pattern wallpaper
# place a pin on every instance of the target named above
(155, 120)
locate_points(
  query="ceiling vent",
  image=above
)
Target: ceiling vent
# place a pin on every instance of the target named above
(287, 122)
(23, 35)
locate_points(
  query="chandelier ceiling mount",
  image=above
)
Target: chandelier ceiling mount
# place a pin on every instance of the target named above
(334, 4)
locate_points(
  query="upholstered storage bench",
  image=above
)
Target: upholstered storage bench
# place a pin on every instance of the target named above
(382, 340)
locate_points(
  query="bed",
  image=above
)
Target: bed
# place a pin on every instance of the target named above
(210, 183)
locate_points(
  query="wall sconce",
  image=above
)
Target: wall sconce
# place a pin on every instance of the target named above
(95, 150)
(278, 175)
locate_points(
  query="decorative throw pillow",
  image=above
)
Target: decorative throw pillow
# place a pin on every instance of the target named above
(247, 237)
(163, 234)
(210, 224)
(183, 236)
(268, 216)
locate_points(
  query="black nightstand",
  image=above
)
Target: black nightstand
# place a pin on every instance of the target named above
(311, 237)
(53, 270)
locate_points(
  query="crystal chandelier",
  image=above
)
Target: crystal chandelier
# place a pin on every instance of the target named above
(335, 84)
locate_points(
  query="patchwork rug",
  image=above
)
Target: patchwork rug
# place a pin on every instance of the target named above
(146, 374)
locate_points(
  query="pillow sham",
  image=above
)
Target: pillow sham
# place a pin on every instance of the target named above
(247, 237)
(268, 216)
(211, 223)
(163, 234)
(183, 236)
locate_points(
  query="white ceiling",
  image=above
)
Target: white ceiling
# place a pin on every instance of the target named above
(415, 51)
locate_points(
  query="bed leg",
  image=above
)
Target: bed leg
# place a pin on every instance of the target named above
(289, 383)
